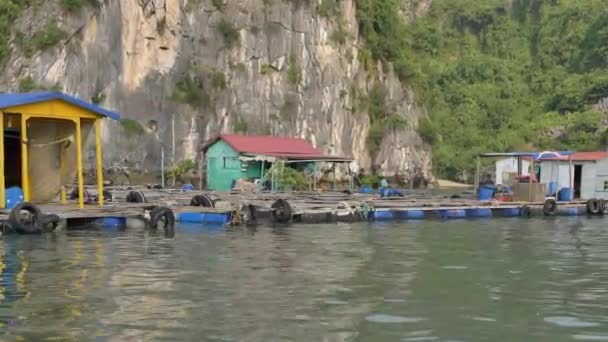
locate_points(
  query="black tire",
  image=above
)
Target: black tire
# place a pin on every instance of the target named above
(281, 211)
(602, 205)
(135, 197)
(550, 207)
(85, 194)
(22, 227)
(107, 196)
(524, 211)
(48, 223)
(202, 201)
(163, 218)
(593, 206)
(157, 187)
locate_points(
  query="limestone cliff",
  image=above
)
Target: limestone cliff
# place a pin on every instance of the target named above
(280, 67)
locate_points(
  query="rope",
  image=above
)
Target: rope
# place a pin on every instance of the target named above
(69, 139)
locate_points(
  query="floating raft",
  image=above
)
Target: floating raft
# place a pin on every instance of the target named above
(156, 206)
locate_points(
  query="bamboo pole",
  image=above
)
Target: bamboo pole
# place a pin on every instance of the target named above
(79, 161)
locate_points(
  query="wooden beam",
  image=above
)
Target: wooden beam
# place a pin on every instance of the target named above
(99, 161)
(79, 161)
(25, 174)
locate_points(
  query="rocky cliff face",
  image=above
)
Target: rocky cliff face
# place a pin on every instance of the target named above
(281, 67)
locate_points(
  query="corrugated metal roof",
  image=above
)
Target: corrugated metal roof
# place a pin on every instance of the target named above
(582, 156)
(534, 155)
(19, 99)
(283, 147)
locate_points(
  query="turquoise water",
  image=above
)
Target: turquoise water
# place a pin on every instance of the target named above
(492, 280)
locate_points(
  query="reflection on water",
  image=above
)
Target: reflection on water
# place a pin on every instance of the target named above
(488, 280)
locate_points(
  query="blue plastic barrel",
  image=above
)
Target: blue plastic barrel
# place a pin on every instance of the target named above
(564, 194)
(14, 196)
(415, 214)
(486, 192)
(383, 215)
(366, 190)
(480, 212)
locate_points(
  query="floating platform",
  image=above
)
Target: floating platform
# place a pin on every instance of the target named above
(212, 208)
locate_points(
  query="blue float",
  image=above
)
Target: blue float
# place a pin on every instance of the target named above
(384, 215)
(570, 211)
(415, 214)
(480, 212)
(216, 218)
(111, 222)
(510, 212)
(452, 213)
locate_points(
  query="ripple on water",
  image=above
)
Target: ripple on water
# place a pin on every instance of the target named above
(393, 319)
(454, 267)
(569, 322)
(333, 301)
(589, 337)
(420, 338)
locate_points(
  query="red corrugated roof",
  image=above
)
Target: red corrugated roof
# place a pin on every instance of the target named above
(285, 147)
(583, 156)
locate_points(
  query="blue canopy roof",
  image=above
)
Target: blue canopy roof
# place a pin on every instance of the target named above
(19, 99)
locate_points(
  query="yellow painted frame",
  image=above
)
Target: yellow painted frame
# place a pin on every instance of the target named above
(54, 109)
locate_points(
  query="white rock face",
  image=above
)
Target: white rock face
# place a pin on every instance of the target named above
(284, 75)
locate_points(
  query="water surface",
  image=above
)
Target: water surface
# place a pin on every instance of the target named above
(487, 280)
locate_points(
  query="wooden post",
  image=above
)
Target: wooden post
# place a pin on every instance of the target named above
(25, 174)
(477, 174)
(570, 166)
(79, 161)
(2, 180)
(334, 176)
(99, 161)
(162, 166)
(530, 172)
(314, 177)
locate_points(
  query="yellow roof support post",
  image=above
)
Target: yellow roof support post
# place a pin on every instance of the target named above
(2, 181)
(99, 161)
(79, 161)
(25, 170)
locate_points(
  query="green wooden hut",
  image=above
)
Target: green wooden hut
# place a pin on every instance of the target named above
(231, 157)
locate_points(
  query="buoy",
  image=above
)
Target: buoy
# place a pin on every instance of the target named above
(163, 218)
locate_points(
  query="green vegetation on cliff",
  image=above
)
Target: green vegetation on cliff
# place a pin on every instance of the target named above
(498, 75)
